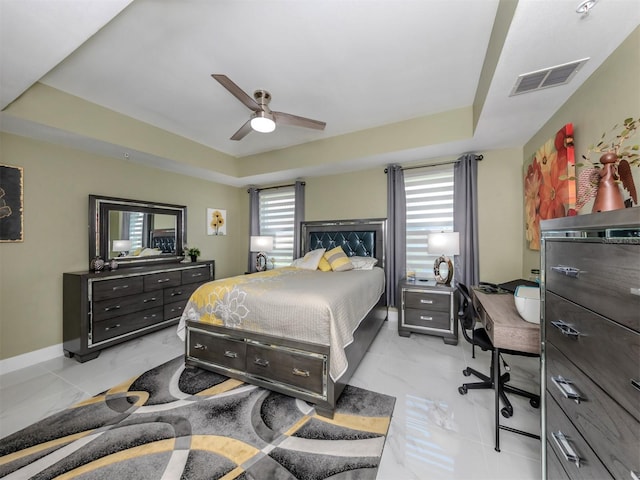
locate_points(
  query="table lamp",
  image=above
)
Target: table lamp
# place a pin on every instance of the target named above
(261, 244)
(121, 246)
(443, 244)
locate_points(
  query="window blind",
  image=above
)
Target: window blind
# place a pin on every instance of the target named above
(429, 194)
(277, 207)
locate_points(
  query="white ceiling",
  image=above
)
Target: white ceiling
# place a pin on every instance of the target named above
(353, 64)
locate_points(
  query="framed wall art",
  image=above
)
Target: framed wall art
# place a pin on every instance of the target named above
(216, 221)
(549, 184)
(11, 204)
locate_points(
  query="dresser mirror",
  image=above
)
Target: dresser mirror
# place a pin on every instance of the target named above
(135, 232)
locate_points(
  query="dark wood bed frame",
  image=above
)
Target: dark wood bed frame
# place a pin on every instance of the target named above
(296, 368)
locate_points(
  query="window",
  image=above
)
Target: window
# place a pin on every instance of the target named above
(277, 208)
(429, 193)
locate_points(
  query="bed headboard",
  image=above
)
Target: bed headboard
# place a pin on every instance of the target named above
(365, 238)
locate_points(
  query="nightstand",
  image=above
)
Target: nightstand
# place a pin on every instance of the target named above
(429, 308)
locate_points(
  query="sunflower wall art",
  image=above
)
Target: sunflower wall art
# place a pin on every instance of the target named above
(216, 221)
(549, 184)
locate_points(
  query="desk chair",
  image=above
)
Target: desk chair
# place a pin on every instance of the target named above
(478, 336)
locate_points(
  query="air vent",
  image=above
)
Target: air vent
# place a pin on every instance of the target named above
(547, 78)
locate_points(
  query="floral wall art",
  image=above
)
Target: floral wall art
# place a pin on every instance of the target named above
(11, 204)
(549, 184)
(216, 221)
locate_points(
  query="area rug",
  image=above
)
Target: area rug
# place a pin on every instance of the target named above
(176, 423)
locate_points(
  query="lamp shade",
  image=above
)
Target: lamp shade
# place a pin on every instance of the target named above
(121, 245)
(443, 243)
(263, 122)
(261, 243)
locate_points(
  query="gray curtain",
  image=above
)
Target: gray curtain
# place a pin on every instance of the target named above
(465, 218)
(254, 223)
(395, 255)
(298, 218)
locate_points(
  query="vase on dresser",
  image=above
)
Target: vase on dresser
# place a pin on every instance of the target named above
(609, 196)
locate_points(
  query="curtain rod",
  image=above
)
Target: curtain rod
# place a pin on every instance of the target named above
(276, 186)
(478, 158)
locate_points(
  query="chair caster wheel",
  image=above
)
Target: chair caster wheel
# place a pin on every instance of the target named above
(466, 372)
(535, 402)
(462, 390)
(506, 412)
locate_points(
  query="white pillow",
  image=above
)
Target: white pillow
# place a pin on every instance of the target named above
(363, 263)
(310, 261)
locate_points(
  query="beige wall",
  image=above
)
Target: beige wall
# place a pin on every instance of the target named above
(57, 182)
(609, 96)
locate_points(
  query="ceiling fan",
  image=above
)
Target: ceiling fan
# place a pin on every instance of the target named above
(263, 119)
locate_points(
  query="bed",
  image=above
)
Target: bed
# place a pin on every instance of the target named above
(293, 330)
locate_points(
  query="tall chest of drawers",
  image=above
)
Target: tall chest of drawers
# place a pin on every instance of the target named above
(105, 308)
(591, 346)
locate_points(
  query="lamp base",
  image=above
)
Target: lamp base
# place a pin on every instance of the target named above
(261, 262)
(446, 280)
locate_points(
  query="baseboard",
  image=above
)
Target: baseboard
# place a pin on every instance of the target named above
(28, 359)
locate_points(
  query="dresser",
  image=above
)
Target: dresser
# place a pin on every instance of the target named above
(101, 309)
(591, 346)
(428, 307)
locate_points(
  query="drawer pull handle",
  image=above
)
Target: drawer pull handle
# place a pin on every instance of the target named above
(566, 389)
(199, 346)
(428, 302)
(175, 294)
(119, 287)
(565, 447)
(634, 291)
(261, 362)
(566, 329)
(163, 280)
(230, 354)
(147, 300)
(568, 271)
(115, 307)
(423, 317)
(635, 475)
(147, 317)
(117, 325)
(300, 373)
(635, 384)
(193, 275)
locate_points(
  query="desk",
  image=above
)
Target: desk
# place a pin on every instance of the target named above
(507, 331)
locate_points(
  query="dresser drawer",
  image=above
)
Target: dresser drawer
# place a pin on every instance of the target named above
(179, 294)
(427, 300)
(609, 429)
(298, 370)
(589, 465)
(114, 327)
(599, 276)
(115, 307)
(157, 281)
(104, 289)
(217, 349)
(605, 351)
(196, 275)
(427, 319)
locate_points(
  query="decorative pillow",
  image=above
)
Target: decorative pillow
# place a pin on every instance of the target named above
(324, 265)
(310, 261)
(338, 260)
(363, 263)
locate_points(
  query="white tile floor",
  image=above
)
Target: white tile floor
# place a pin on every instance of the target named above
(436, 433)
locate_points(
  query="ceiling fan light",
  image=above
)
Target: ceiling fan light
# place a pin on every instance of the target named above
(263, 122)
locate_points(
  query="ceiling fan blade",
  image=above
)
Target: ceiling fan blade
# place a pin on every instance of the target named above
(236, 91)
(288, 119)
(242, 131)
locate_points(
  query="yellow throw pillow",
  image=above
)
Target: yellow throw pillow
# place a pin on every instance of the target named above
(324, 265)
(338, 260)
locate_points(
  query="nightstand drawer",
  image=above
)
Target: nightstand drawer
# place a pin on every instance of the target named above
(427, 319)
(427, 300)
